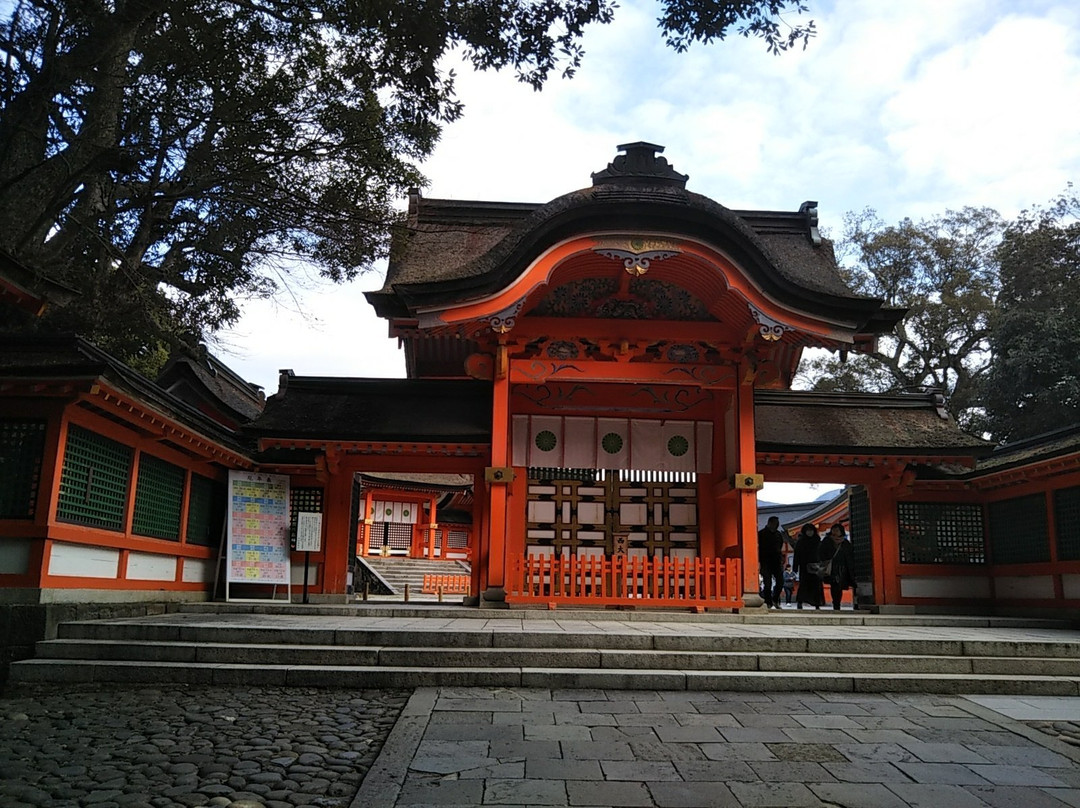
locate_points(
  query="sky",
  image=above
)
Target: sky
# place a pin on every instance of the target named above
(910, 108)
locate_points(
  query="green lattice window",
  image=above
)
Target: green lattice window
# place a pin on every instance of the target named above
(159, 498)
(94, 480)
(1067, 521)
(1018, 530)
(22, 445)
(206, 511)
(940, 533)
(302, 500)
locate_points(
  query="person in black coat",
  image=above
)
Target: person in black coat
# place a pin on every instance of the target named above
(836, 548)
(770, 544)
(810, 590)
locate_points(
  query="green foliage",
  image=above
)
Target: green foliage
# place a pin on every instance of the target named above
(1034, 383)
(169, 157)
(944, 271)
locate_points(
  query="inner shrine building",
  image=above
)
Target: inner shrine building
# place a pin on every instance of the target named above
(599, 384)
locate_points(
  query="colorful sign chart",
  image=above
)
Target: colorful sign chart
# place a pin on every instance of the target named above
(258, 538)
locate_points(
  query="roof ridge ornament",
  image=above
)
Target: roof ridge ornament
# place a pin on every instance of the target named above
(640, 165)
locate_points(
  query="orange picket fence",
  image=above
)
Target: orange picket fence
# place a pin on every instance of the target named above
(622, 581)
(446, 584)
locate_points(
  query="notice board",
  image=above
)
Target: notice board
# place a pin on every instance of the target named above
(258, 537)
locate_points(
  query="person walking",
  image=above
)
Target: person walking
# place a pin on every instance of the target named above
(836, 548)
(770, 542)
(790, 579)
(811, 591)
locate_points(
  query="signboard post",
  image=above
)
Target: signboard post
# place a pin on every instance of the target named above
(258, 531)
(308, 539)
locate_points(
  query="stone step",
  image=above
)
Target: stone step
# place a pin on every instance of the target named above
(477, 658)
(833, 642)
(143, 672)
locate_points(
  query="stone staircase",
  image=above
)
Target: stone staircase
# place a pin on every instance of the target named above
(412, 646)
(398, 572)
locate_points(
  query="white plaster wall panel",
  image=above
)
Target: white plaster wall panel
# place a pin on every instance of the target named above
(1070, 586)
(681, 513)
(945, 587)
(198, 570)
(590, 513)
(1014, 587)
(151, 567)
(542, 511)
(14, 556)
(83, 561)
(298, 574)
(633, 513)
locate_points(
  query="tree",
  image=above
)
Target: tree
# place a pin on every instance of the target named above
(944, 270)
(165, 157)
(1034, 382)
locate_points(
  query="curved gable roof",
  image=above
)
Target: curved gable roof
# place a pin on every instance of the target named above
(455, 252)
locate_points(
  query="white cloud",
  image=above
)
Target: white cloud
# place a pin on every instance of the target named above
(908, 107)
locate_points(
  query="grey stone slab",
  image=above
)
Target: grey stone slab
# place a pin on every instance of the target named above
(561, 732)
(1069, 796)
(525, 750)
(595, 750)
(657, 750)
(1023, 755)
(771, 795)
(923, 795)
(383, 783)
(888, 752)
(646, 720)
(715, 770)
(623, 794)
(440, 792)
(525, 792)
(514, 770)
(942, 773)
(897, 736)
(858, 795)
(466, 705)
(789, 771)
(474, 732)
(457, 719)
(587, 719)
(691, 734)
(698, 794)
(446, 757)
(1003, 775)
(533, 719)
(753, 735)
(550, 769)
(943, 752)
(868, 772)
(826, 721)
(707, 720)
(779, 719)
(1013, 796)
(737, 751)
(818, 736)
(641, 770)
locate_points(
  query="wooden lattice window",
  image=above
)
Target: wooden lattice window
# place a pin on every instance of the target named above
(940, 533)
(1018, 530)
(94, 480)
(1067, 522)
(302, 500)
(206, 511)
(22, 446)
(159, 498)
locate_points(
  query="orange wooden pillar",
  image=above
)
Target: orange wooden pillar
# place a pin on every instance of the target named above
(363, 539)
(498, 486)
(338, 515)
(885, 542)
(433, 526)
(746, 463)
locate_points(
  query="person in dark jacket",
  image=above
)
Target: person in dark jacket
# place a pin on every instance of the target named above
(770, 546)
(810, 590)
(835, 547)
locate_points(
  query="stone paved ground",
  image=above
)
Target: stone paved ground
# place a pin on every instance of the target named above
(184, 747)
(79, 746)
(507, 747)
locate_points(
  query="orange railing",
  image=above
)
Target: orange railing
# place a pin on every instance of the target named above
(623, 581)
(446, 584)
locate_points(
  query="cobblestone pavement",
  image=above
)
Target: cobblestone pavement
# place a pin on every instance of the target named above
(184, 747)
